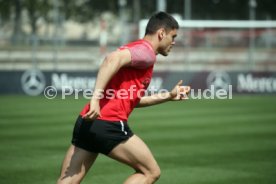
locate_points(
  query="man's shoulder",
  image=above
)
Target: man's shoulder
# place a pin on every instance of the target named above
(139, 42)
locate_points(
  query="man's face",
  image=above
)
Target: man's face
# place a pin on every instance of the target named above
(167, 42)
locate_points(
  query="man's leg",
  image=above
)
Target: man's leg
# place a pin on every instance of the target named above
(75, 165)
(135, 153)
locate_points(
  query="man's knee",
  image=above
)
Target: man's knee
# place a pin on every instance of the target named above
(154, 174)
(60, 181)
(68, 181)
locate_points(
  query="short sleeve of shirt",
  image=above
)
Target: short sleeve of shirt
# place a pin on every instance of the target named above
(142, 55)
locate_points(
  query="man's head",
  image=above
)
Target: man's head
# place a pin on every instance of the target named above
(161, 20)
(165, 27)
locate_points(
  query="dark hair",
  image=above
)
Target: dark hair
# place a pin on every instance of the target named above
(161, 20)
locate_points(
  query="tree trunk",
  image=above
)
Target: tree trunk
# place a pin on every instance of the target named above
(17, 30)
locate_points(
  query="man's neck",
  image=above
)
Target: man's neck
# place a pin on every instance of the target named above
(153, 41)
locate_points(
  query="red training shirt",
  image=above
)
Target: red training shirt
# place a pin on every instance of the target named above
(128, 85)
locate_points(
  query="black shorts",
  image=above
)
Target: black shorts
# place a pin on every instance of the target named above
(99, 136)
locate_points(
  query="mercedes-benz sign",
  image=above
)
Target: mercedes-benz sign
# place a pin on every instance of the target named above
(33, 82)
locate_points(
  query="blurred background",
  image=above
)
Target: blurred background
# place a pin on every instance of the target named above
(221, 44)
(46, 40)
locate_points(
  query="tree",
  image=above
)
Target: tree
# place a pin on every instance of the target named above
(36, 9)
(17, 30)
(5, 10)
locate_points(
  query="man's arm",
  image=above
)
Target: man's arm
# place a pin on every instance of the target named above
(110, 66)
(177, 93)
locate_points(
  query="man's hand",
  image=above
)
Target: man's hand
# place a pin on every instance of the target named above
(94, 110)
(180, 92)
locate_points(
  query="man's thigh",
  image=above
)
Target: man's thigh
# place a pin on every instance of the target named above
(135, 153)
(76, 163)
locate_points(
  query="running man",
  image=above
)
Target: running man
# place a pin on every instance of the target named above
(102, 125)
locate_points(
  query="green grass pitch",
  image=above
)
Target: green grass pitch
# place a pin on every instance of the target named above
(195, 142)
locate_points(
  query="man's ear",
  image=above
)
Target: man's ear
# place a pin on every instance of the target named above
(161, 33)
